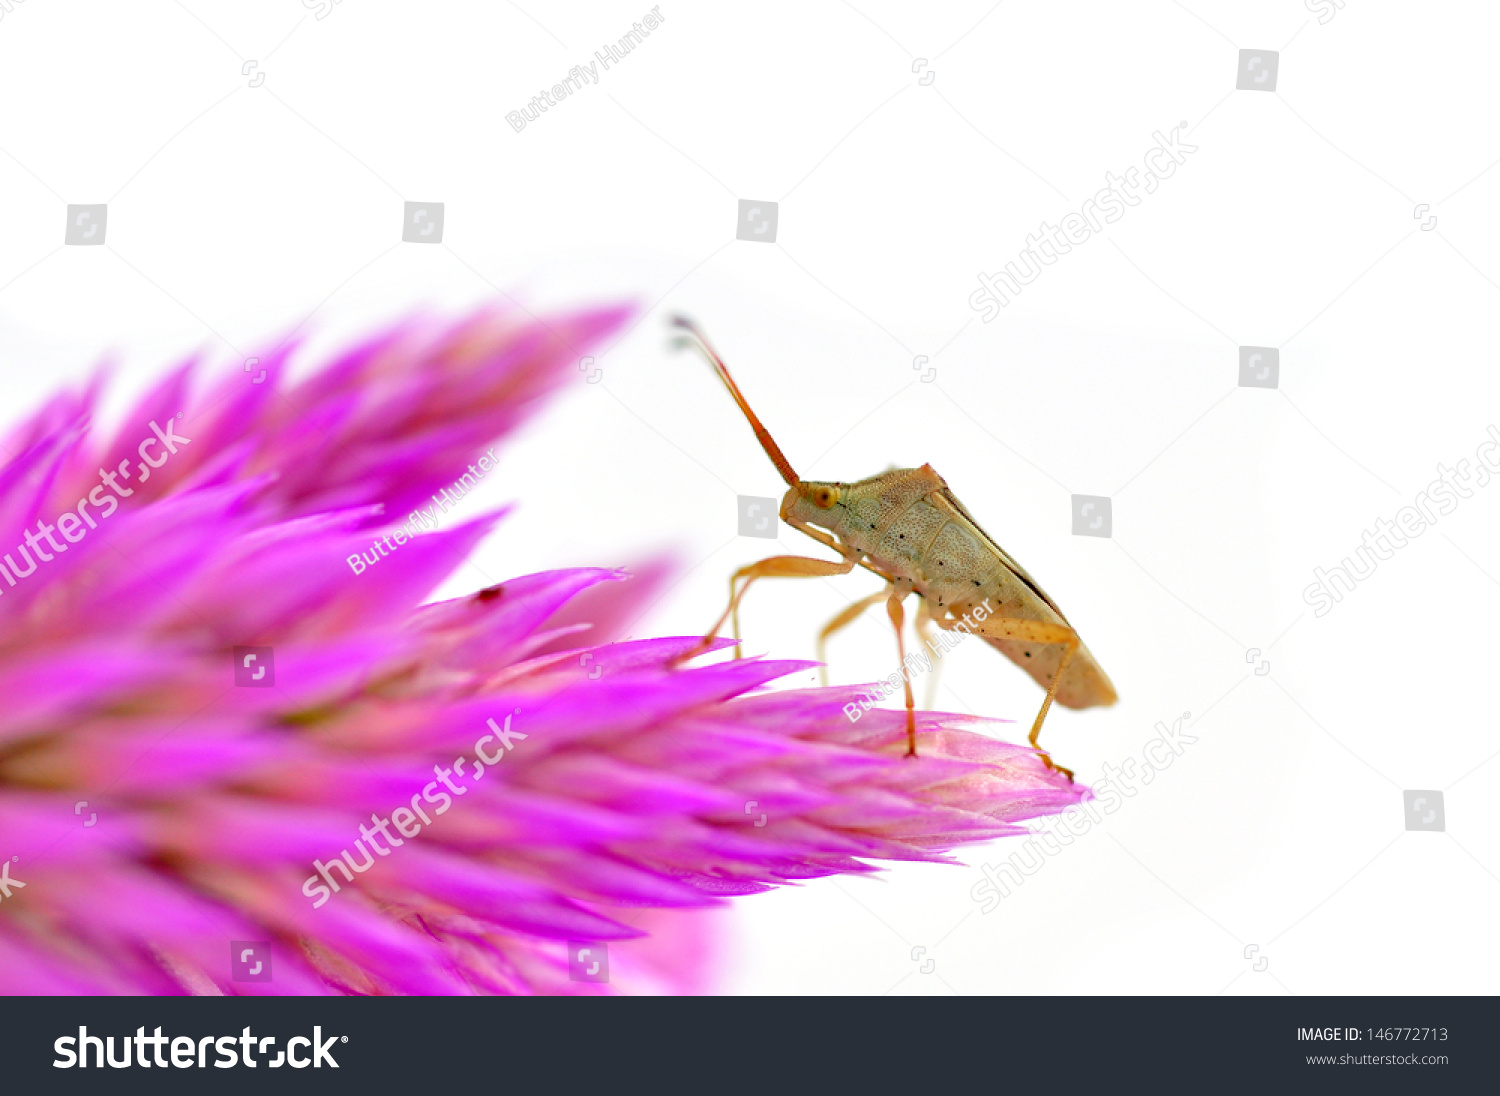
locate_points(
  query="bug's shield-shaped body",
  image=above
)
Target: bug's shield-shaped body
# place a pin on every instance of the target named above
(909, 525)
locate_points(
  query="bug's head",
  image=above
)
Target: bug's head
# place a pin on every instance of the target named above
(815, 503)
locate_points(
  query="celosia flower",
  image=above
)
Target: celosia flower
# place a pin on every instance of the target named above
(222, 740)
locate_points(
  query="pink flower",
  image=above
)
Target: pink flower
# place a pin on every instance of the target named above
(223, 735)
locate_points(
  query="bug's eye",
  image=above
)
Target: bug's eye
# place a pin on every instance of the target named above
(824, 497)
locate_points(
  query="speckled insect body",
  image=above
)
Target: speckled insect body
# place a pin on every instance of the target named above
(909, 526)
(906, 526)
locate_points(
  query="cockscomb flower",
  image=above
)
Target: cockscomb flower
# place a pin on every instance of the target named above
(239, 754)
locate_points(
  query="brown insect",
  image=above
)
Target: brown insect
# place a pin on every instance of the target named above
(906, 526)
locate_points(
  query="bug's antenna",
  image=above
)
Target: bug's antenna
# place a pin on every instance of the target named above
(761, 433)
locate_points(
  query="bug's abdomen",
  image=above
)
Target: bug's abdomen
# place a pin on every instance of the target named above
(1003, 597)
(962, 578)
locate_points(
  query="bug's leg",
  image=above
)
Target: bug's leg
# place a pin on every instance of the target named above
(1071, 645)
(775, 567)
(925, 632)
(1036, 631)
(1040, 631)
(899, 590)
(843, 620)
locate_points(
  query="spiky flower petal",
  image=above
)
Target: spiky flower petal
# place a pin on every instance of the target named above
(408, 798)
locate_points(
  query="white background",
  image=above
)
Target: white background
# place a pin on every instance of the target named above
(237, 213)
